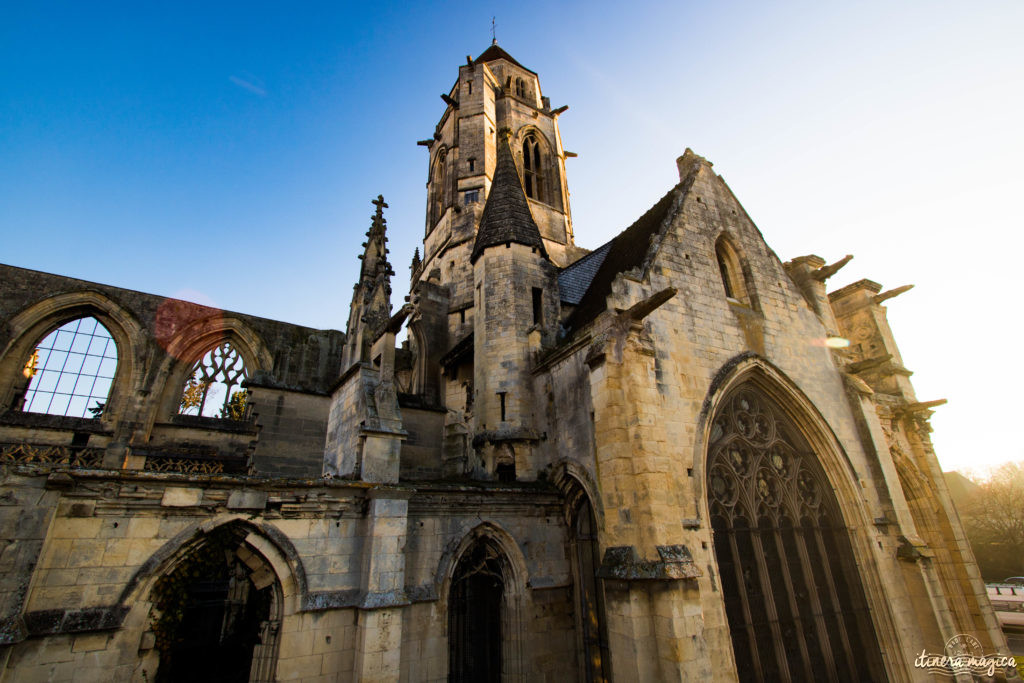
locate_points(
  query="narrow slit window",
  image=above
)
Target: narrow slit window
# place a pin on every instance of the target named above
(538, 306)
(501, 402)
(71, 371)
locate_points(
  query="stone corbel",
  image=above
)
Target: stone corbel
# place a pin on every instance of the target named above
(623, 563)
(913, 549)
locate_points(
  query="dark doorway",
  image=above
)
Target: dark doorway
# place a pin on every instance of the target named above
(475, 615)
(589, 593)
(212, 616)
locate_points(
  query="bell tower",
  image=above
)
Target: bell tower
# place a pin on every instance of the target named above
(492, 92)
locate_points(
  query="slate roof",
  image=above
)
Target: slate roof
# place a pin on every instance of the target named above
(624, 252)
(506, 216)
(493, 53)
(576, 277)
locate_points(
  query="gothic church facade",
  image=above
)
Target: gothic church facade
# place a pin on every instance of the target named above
(656, 460)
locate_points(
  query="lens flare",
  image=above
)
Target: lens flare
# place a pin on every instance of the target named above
(837, 343)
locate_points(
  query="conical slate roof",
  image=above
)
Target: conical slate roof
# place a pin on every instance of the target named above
(507, 216)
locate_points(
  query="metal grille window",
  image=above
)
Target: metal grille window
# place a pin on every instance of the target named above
(214, 389)
(793, 597)
(71, 370)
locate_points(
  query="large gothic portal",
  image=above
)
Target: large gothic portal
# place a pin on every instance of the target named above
(795, 604)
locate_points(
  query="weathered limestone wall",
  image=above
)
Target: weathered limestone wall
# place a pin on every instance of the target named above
(421, 451)
(292, 427)
(363, 589)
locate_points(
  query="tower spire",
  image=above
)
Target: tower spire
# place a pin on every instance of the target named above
(506, 217)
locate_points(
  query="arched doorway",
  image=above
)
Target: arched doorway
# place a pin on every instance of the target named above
(476, 610)
(589, 592)
(793, 597)
(217, 613)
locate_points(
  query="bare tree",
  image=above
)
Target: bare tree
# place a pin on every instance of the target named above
(993, 517)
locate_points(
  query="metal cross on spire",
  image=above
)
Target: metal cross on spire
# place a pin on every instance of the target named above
(494, 37)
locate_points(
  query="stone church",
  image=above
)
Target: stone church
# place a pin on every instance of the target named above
(672, 457)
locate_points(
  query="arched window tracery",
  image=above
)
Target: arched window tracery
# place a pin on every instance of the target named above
(533, 168)
(71, 371)
(793, 598)
(214, 387)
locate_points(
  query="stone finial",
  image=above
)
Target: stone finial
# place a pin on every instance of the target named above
(689, 163)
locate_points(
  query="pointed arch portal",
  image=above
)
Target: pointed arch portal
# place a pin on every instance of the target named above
(475, 616)
(793, 598)
(218, 613)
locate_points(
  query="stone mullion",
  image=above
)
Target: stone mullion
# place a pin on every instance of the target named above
(793, 607)
(826, 568)
(755, 660)
(769, 600)
(816, 608)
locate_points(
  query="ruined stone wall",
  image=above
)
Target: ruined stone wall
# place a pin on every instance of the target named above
(158, 341)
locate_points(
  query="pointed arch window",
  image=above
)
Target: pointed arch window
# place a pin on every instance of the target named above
(533, 168)
(71, 371)
(730, 269)
(793, 597)
(214, 387)
(438, 187)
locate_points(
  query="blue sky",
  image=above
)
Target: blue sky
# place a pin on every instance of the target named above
(228, 152)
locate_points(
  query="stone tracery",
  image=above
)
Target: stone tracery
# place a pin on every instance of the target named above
(795, 606)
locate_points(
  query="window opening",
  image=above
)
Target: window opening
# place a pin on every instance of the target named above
(472, 164)
(501, 399)
(475, 611)
(731, 271)
(438, 190)
(469, 84)
(538, 306)
(533, 179)
(214, 388)
(506, 472)
(793, 598)
(723, 269)
(71, 371)
(520, 87)
(472, 197)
